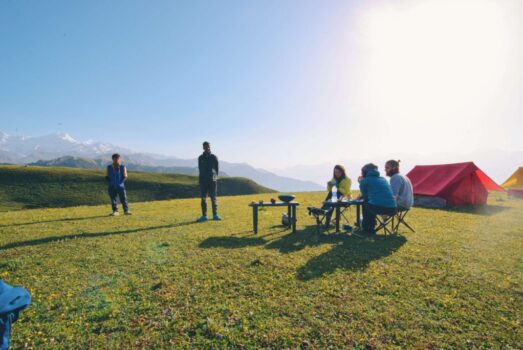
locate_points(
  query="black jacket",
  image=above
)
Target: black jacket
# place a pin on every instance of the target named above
(208, 166)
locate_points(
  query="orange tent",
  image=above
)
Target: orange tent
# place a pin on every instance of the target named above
(514, 184)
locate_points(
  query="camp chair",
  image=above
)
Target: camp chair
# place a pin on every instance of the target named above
(345, 216)
(12, 301)
(399, 219)
(320, 215)
(386, 224)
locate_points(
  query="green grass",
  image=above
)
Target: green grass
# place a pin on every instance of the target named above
(157, 280)
(23, 187)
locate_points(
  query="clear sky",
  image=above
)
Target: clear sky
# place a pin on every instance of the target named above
(272, 83)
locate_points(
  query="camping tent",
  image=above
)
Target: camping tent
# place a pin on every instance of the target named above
(450, 184)
(514, 184)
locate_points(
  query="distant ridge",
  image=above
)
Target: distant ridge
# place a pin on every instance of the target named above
(71, 162)
(87, 163)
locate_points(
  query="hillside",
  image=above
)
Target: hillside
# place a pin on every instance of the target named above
(34, 187)
(157, 280)
(186, 166)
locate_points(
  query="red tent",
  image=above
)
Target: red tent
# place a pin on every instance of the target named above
(455, 184)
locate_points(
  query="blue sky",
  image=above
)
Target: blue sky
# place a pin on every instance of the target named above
(274, 83)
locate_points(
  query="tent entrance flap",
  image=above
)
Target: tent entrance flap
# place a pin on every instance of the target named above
(429, 202)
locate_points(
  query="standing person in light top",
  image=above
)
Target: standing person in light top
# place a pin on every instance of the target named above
(342, 183)
(208, 168)
(116, 176)
(400, 184)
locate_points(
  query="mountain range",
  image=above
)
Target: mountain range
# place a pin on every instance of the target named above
(99, 163)
(61, 149)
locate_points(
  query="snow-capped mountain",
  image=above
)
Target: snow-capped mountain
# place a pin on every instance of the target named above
(16, 149)
(28, 149)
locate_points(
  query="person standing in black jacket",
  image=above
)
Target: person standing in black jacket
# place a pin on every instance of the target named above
(208, 167)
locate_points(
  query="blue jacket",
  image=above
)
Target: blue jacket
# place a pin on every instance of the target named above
(12, 301)
(376, 190)
(116, 178)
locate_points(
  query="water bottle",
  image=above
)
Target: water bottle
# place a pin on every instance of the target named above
(334, 197)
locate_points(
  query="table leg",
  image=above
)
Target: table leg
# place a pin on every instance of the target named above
(338, 212)
(294, 219)
(255, 219)
(289, 215)
(358, 215)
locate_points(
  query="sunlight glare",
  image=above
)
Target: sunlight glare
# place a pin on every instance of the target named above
(431, 61)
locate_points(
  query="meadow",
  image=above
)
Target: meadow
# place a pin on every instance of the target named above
(157, 280)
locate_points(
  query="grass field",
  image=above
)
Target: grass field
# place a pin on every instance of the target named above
(24, 187)
(158, 280)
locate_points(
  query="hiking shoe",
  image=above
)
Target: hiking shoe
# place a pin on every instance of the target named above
(115, 213)
(128, 213)
(216, 217)
(202, 218)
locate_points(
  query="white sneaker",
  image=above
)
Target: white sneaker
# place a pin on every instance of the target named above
(115, 213)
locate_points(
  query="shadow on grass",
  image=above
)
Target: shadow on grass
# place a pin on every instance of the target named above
(231, 242)
(351, 253)
(57, 220)
(51, 239)
(307, 237)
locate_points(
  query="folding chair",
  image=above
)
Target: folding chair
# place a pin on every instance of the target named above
(386, 224)
(345, 215)
(399, 219)
(320, 215)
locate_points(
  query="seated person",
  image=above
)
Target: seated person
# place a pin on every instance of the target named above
(343, 185)
(377, 196)
(400, 184)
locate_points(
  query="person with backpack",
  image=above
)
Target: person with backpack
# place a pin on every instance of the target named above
(208, 178)
(377, 196)
(116, 176)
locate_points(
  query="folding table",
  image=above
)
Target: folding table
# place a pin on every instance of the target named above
(291, 212)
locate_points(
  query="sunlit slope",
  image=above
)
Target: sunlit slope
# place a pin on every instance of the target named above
(157, 280)
(34, 187)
